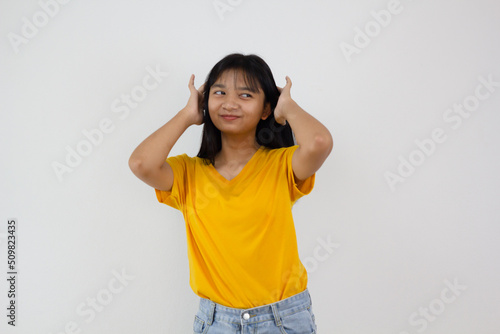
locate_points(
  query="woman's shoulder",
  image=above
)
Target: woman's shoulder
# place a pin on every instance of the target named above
(279, 153)
(188, 159)
(279, 150)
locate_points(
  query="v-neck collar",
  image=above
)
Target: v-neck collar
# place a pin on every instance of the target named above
(240, 174)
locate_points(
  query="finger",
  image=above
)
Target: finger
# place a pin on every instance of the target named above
(202, 88)
(288, 81)
(191, 81)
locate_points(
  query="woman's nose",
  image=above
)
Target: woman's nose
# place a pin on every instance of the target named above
(230, 103)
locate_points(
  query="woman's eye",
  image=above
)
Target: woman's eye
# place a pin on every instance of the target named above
(218, 92)
(246, 95)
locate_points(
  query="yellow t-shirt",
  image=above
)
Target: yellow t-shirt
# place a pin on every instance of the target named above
(242, 246)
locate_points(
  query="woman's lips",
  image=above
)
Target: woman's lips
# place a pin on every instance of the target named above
(229, 118)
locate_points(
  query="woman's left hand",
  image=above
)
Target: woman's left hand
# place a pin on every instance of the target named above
(284, 99)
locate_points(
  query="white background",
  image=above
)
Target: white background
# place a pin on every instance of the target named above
(396, 246)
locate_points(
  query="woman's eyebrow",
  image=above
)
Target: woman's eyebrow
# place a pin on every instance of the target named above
(239, 88)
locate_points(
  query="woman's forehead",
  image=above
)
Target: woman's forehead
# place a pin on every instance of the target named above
(237, 79)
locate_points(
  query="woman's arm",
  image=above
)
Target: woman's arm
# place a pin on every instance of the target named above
(314, 140)
(147, 161)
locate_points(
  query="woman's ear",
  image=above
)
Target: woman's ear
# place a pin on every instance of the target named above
(267, 110)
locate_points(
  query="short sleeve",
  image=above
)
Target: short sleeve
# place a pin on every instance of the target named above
(306, 187)
(177, 195)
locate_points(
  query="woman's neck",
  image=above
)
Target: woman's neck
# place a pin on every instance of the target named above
(236, 152)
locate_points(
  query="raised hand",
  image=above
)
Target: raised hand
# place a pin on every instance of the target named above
(194, 106)
(284, 99)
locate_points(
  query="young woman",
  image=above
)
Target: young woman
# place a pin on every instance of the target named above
(237, 194)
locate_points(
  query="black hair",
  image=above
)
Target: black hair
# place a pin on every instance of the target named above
(257, 74)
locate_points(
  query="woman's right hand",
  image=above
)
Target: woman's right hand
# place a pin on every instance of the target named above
(194, 106)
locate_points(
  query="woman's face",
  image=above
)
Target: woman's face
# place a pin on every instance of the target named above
(233, 107)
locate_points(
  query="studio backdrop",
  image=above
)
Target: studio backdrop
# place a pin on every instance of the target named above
(400, 233)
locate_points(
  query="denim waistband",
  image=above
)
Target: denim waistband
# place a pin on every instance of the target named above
(274, 311)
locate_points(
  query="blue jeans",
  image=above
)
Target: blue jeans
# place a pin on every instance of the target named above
(292, 315)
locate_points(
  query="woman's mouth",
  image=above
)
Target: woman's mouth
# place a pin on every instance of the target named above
(229, 117)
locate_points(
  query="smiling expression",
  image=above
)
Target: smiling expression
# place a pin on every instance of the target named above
(234, 106)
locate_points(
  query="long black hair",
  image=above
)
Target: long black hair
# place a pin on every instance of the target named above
(257, 74)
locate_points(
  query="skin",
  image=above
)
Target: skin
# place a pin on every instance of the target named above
(315, 142)
(238, 137)
(230, 96)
